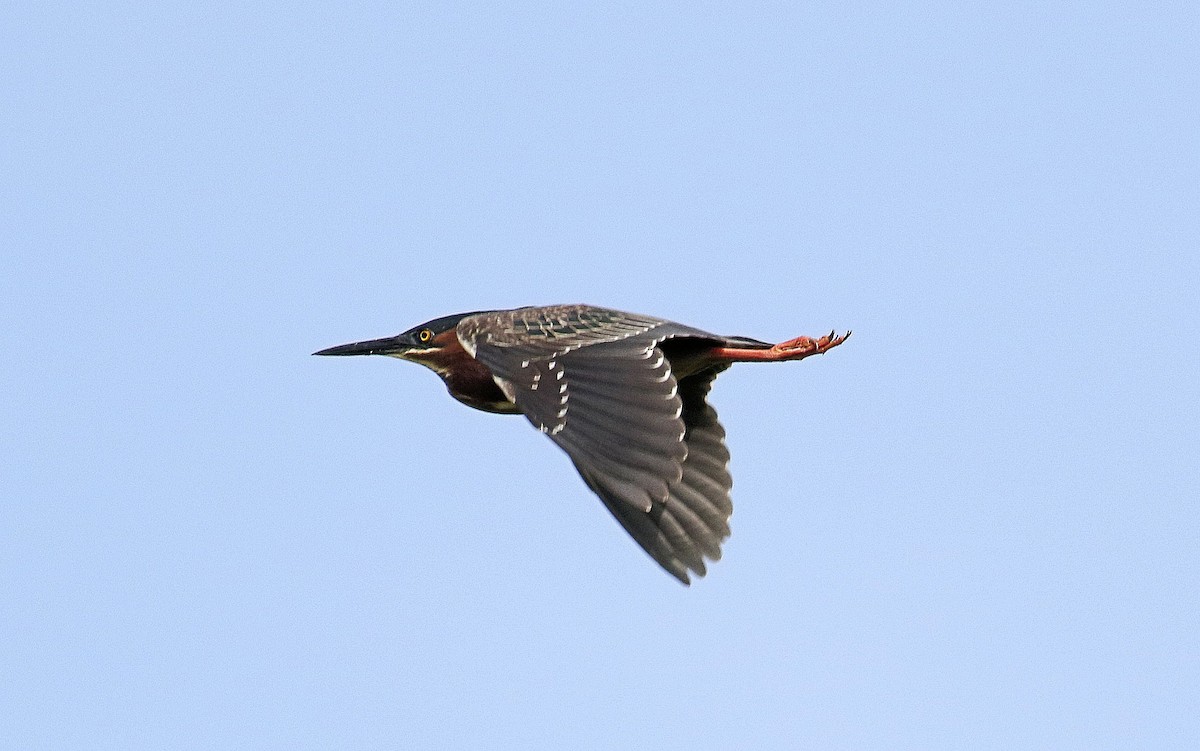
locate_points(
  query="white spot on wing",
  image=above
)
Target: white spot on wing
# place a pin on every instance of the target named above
(506, 387)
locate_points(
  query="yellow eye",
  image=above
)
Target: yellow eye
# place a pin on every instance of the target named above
(425, 335)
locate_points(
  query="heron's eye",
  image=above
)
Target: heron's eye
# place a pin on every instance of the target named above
(425, 335)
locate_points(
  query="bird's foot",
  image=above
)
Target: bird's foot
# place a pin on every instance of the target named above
(804, 346)
(793, 349)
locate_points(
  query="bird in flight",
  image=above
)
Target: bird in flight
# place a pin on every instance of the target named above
(624, 395)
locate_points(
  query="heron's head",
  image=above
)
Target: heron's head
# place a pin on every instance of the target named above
(427, 344)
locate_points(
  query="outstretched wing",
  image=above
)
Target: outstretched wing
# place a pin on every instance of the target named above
(596, 382)
(693, 521)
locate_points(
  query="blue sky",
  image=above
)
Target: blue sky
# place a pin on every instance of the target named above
(972, 526)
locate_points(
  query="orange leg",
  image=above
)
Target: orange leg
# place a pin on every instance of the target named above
(793, 349)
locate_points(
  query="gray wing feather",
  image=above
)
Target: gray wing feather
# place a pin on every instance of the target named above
(621, 424)
(650, 447)
(694, 520)
(704, 488)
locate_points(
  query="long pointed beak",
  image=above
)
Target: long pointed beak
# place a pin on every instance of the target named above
(391, 345)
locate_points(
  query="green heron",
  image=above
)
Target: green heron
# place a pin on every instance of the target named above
(623, 394)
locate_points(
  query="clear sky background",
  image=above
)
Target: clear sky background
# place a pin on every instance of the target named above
(974, 525)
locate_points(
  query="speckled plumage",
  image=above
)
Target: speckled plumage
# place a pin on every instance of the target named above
(598, 383)
(624, 395)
